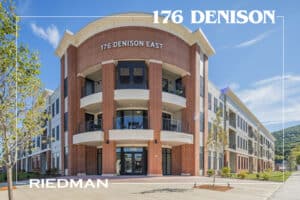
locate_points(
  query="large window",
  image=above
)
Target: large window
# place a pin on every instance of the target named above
(66, 121)
(57, 106)
(201, 158)
(201, 86)
(131, 119)
(215, 104)
(209, 101)
(201, 121)
(57, 133)
(65, 87)
(215, 161)
(131, 74)
(221, 157)
(53, 109)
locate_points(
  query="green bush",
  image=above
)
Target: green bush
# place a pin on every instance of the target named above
(210, 172)
(225, 172)
(3, 177)
(265, 176)
(242, 174)
(257, 176)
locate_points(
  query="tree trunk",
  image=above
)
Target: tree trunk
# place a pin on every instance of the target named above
(9, 182)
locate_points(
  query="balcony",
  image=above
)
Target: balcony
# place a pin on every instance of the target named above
(232, 146)
(91, 100)
(90, 126)
(232, 119)
(173, 125)
(179, 90)
(174, 132)
(89, 133)
(131, 122)
(251, 133)
(131, 129)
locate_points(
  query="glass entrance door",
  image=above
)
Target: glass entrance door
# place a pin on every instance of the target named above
(133, 161)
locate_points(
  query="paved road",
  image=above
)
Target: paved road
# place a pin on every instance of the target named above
(290, 190)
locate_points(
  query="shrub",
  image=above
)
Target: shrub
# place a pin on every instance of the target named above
(225, 172)
(3, 177)
(269, 170)
(257, 176)
(265, 176)
(210, 172)
(242, 174)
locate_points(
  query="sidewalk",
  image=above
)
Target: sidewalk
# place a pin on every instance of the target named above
(290, 190)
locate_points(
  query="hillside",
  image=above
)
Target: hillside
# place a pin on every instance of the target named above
(291, 139)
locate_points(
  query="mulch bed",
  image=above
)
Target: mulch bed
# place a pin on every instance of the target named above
(6, 188)
(215, 188)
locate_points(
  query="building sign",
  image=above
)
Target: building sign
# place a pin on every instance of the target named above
(131, 43)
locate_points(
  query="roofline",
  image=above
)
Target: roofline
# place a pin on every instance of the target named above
(133, 19)
(236, 99)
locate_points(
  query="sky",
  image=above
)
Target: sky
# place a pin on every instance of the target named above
(249, 58)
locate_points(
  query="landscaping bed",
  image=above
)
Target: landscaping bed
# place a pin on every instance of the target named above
(219, 188)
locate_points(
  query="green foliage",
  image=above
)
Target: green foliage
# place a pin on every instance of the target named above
(265, 176)
(298, 160)
(217, 136)
(294, 157)
(21, 97)
(210, 172)
(257, 175)
(291, 140)
(242, 174)
(225, 172)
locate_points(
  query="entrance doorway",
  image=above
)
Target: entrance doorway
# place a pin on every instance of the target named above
(167, 161)
(99, 161)
(133, 160)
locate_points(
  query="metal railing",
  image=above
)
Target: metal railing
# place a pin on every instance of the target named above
(232, 146)
(89, 126)
(232, 122)
(179, 92)
(174, 125)
(131, 122)
(86, 92)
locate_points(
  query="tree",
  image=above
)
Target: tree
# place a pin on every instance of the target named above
(21, 98)
(217, 137)
(294, 157)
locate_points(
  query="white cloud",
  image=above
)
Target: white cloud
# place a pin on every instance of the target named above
(265, 98)
(50, 34)
(234, 86)
(253, 41)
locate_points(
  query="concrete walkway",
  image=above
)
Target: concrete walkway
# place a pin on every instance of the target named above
(290, 190)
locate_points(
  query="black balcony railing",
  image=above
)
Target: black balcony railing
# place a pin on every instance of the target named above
(88, 91)
(179, 91)
(232, 122)
(174, 125)
(89, 126)
(250, 150)
(232, 146)
(131, 122)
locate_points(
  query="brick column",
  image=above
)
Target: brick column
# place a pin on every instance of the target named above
(108, 105)
(191, 115)
(62, 112)
(73, 106)
(81, 149)
(155, 114)
(205, 133)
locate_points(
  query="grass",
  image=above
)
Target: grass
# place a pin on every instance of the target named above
(275, 176)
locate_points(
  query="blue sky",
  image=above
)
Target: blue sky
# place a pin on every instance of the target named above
(248, 57)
